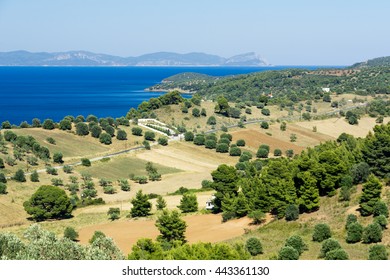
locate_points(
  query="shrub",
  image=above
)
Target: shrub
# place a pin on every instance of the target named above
(254, 246)
(380, 208)
(354, 233)
(199, 139)
(51, 140)
(51, 170)
(113, 213)
(57, 182)
(293, 137)
(288, 253)
(240, 143)
(264, 125)
(105, 138)
(146, 145)
(257, 216)
(163, 141)
(329, 245)
(57, 157)
(351, 218)
(235, 152)
(378, 252)
(338, 254)
(124, 184)
(224, 140)
(277, 152)
(245, 156)
(3, 179)
(262, 153)
(222, 148)
(372, 233)
(150, 136)
(71, 233)
(381, 220)
(137, 131)
(19, 176)
(265, 112)
(96, 131)
(121, 135)
(226, 216)
(160, 203)
(9, 136)
(283, 126)
(297, 243)
(227, 136)
(48, 124)
(321, 232)
(210, 144)
(189, 136)
(68, 169)
(211, 121)
(290, 153)
(82, 129)
(3, 188)
(196, 112)
(292, 212)
(85, 162)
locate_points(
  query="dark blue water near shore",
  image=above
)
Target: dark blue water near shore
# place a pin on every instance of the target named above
(54, 92)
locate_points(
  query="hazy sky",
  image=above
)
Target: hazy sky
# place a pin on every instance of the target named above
(291, 32)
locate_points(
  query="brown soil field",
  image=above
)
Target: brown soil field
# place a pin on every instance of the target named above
(205, 228)
(254, 138)
(335, 126)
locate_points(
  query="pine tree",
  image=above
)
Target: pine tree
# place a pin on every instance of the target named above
(34, 177)
(308, 194)
(171, 227)
(141, 205)
(371, 194)
(160, 203)
(188, 203)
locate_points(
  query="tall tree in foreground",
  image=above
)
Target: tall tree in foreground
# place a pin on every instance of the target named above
(371, 194)
(171, 227)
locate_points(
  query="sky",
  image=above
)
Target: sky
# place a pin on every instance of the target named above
(299, 32)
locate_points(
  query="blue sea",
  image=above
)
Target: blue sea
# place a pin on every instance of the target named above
(55, 92)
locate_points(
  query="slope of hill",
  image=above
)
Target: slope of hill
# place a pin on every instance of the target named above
(380, 61)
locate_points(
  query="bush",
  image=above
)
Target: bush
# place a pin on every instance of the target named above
(226, 216)
(381, 220)
(222, 148)
(137, 131)
(380, 208)
(257, 216)
(82, 129)
(48, 202)
(290, 153)
(68, 169)
(338, 254)
(189, 136)
(105, 138)
(297, 243)
(9, 136)
(354, 233)
(378, 252)
(113, 213)
(48, 124)
(211, 121)
(57, 182)
(277, 152)
(121, 135)
(51, 140)
(210, 144)
(351, 218)
(254, 247)
(150, 136)
(265, 112)
(71, 233)
(3, 188)
(288, 253)
(124, 184)
(199, 139)
(264, 125)
(240, 143)
(57, 157)
(96, 131)
(262, 153)
(163, 141)
(292, 212)
(321, 232)
(196, 112)
(51, 170)
(329, 245)
(146, 145)
(235, 152)
(85, 162)
(245, 156)
(3, 179)
(19, 176)
(372, 233)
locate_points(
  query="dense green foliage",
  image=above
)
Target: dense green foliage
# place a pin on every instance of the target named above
(48, 202)
(297, 243)
(288, 253)
(372, 233)
(39, 244)
(378, 252)
(370, 196)
(354, 232)
(321, 232)
(254, 246)
(171, 226)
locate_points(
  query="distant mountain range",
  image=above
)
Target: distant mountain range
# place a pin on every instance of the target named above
(83, 58)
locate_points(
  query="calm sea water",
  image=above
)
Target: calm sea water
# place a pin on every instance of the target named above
(54, 92)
